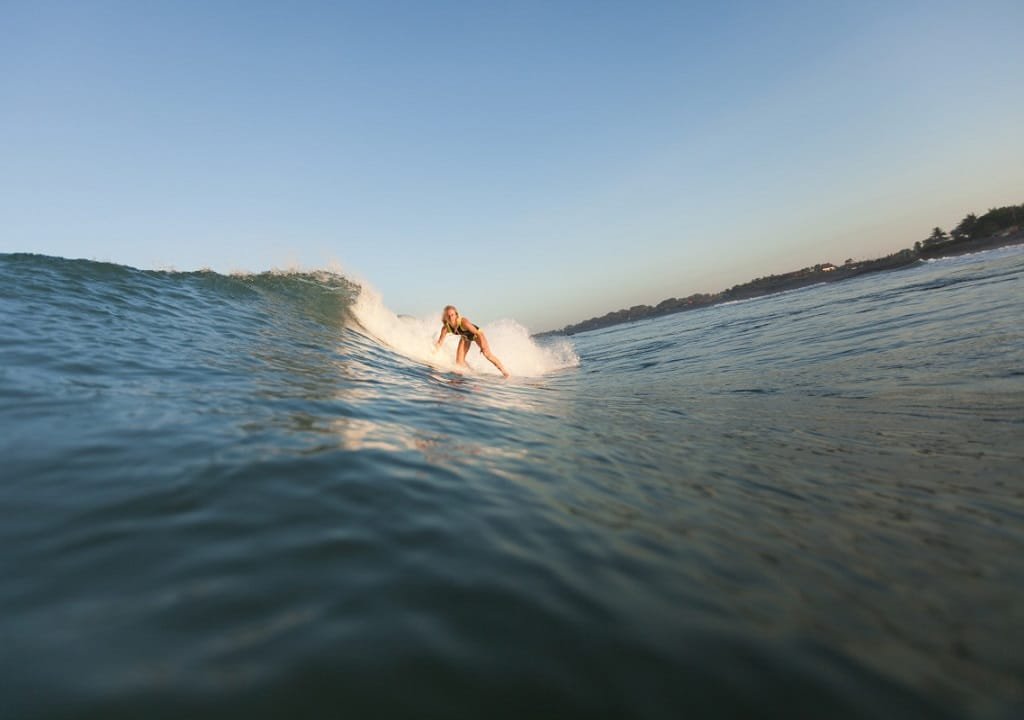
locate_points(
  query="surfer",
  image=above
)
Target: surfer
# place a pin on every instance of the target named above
(452, 322)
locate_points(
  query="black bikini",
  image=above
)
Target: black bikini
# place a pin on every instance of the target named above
(459, 330)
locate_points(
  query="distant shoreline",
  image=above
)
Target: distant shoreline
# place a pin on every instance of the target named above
(937, 246)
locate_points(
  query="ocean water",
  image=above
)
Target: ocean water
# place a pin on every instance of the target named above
(264, 496)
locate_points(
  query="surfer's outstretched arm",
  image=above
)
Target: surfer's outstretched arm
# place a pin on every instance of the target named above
(440, 339)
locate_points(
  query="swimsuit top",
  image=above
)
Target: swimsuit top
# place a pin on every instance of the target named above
(459, 330)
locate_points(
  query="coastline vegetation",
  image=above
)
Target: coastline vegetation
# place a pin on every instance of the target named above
(997, 227)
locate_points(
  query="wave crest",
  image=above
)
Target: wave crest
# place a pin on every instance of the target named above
(414, 338)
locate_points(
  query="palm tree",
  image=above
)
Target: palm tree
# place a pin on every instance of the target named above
(937, 237)
(966, 227)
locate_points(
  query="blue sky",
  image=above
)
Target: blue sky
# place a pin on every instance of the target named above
(542, 161)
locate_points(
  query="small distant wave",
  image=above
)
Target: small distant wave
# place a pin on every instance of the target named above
(991, 253)
(790, 291)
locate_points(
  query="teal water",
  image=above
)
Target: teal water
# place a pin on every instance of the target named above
(224, 497)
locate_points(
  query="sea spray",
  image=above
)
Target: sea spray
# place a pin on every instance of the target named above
(523, 355)
(415, 338)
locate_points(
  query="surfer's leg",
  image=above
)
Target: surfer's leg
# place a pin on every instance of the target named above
(460, 354)
(486, 350)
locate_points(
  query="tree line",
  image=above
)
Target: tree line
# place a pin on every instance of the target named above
(998, 226)
(972, 227)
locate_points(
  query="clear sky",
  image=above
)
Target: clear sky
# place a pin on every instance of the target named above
(544, 161)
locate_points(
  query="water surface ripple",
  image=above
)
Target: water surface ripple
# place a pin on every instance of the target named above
(220, 497)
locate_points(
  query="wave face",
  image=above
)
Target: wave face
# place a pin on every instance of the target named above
(266, 496)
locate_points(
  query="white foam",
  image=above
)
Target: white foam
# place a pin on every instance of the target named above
(414, 337)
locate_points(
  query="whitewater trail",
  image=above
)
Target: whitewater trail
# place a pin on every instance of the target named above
(414, 338)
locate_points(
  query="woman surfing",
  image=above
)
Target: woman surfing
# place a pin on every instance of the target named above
(452, 322)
